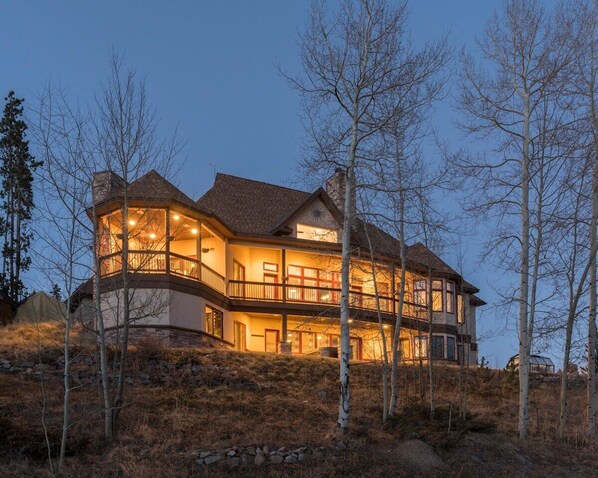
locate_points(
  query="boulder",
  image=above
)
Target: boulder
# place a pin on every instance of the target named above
(418, 457)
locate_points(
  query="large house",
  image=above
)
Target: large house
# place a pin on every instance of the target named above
(256, 266)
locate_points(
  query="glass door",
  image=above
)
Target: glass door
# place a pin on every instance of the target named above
(240, 337)
(272, 339)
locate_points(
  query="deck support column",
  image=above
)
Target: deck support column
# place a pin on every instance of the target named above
(285, 344)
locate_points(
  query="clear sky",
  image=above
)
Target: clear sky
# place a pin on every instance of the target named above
(211, 71)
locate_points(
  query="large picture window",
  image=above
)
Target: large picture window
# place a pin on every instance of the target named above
(313, 281)
(313, 233)
(213, 321)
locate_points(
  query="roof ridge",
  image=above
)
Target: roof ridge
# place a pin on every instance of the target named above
(265, 183)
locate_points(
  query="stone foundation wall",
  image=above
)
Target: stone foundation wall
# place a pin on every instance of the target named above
(171, 337)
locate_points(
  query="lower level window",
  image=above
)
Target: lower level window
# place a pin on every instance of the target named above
(450, 348)
(438, 346)
(213, 321)
(420, 346)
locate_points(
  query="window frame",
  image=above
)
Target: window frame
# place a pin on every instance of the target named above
(460, 317)
(211, 323)
(451, 295)
(435, 354)
(418, 340)
(454, 341)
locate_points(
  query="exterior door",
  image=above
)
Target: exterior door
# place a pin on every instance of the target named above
(271, 291)
(238, 275)
(240, 336)
(272, 340)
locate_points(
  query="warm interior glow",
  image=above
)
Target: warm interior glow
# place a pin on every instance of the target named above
(194, 231)
(152, 236)
(313, 233)
(132, 222)
(176, 217)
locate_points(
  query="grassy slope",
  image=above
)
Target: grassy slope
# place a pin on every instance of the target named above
(259, 399)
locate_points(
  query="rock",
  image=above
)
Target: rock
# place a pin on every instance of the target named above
(282, 450)
(266, 450)
(418, 457)
(276, 459)
(250, 450)
(231, 453)
(213, 459)
(322, 394)
(259, 459)
(291, 459)
(245, 459)
(203, 454)
(25, 364)
(301, 457)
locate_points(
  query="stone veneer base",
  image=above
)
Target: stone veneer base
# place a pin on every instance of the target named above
(171, 337)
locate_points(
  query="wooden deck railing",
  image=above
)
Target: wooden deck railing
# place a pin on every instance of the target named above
(268, 292)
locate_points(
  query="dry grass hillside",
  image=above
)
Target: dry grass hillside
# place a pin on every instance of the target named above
(182, 402)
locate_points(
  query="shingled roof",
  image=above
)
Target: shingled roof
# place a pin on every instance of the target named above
(250, 207)
(151, 186)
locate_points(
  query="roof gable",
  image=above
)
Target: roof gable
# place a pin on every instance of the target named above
(319, 196)
(250, 207)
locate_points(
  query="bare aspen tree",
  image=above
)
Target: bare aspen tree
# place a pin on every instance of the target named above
(350, 64)
(64, 247)
(358, 67)
(125, 135)
(119, 134)
(583, 88)
(526, 51)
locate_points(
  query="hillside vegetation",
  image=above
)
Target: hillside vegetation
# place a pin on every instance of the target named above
(184, 402)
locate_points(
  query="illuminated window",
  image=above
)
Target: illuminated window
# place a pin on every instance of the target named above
(312, 233)
(420, 346)
(213, 321)
(437, 296)
(420, 292)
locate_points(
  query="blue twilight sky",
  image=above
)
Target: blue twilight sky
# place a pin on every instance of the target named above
(211, 72)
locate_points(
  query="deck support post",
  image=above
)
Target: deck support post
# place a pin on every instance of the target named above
(285, 343)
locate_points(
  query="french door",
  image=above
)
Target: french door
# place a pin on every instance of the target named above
(272, 339)
(240, 330)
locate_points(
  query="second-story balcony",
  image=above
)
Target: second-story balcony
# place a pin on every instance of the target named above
(324, 296)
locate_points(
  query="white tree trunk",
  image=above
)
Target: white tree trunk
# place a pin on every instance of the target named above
(344, 398)
(524, 339)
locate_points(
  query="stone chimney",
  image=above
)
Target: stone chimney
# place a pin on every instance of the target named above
(336, 187)
(105, 184)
